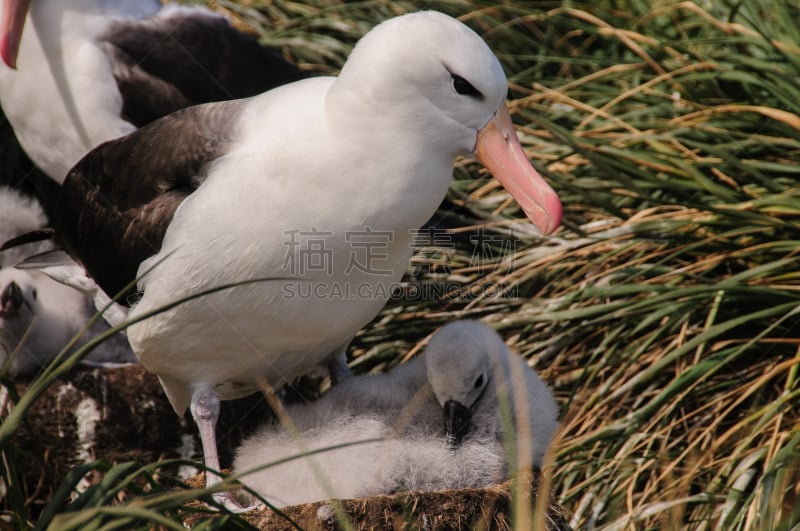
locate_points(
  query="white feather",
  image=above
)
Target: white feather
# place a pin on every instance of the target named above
(403, 409)
(19, 214)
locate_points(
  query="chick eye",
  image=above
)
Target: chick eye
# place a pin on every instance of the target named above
(479, 381)
(464, 87)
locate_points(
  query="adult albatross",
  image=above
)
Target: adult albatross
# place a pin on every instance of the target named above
(87, 71)
(319, 183)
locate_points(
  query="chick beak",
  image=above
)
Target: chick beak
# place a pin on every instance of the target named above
(10, 299)
(457, 419)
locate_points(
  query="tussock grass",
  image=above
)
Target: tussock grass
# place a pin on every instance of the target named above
(666, 311)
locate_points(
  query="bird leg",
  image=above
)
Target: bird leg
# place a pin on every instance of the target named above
(337, 365)
(205, 411)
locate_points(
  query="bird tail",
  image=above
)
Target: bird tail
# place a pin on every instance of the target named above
(177, 393)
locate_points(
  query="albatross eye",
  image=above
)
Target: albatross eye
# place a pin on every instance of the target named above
(464, 87)
(35, 294)
(479, 382)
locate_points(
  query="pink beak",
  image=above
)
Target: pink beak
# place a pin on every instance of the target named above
(498, 149)
(14, 12)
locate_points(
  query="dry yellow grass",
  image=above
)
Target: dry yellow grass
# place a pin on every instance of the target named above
(665, 312)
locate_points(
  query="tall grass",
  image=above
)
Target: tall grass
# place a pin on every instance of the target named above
(665, 311)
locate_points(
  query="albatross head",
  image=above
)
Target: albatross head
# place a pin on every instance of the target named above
(18, 295)
(19, 307)
(429, 74)
(460, 361)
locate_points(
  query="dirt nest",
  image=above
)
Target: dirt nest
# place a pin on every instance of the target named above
(487, 509)
(121, 414)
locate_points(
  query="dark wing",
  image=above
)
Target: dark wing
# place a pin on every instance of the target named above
(185, 58)
(116, 203)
